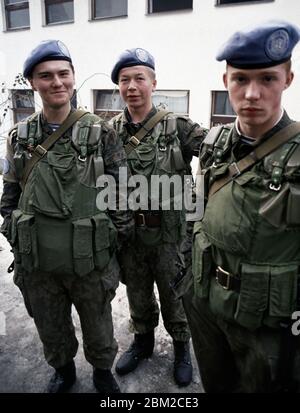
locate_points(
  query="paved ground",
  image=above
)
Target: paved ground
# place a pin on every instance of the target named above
(22, 365)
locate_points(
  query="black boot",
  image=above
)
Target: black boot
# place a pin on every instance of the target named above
(183, 369)
(63, 379)
(140, 348)
(105, 382)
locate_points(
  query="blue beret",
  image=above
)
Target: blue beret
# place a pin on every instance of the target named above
(132, 57)
(268, 44)
(46, 50)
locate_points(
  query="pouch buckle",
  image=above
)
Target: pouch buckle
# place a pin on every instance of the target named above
(40, 151)
(134, 141)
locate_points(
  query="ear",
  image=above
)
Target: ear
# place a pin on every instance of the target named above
(154, 83)
(32, 85)
(289, 79)
(225, 80)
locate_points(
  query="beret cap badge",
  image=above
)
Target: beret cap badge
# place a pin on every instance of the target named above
(277, 44)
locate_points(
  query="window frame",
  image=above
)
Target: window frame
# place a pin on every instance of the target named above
(218, 3)
(219, 118)
(27, 111)
(46, 3)
(6, 8)
(150, 8)
(93, 17)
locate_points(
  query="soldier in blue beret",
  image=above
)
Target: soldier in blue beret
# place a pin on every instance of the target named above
(64, 246)
(157, 142)
(245, 301)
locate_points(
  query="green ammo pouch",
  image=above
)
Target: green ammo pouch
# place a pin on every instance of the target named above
(202, 262)
(83, 246)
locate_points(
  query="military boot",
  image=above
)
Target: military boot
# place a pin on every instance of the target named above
(140, 348)
(63, 379)
(105, 382)
(183, 369)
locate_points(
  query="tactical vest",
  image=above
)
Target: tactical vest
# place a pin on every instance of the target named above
(251, 228)
(159, 155)
(57, 226)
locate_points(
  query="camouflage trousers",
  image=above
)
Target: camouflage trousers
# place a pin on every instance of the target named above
(232, 359)
(142, 266)
(49, 299)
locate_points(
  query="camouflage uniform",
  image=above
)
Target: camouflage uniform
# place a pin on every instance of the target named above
(251, 230)
(156, 250)
(64, 247)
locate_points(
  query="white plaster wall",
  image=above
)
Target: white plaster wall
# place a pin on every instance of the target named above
(184, 45)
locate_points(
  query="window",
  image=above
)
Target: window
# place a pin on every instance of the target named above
(16, 14)
(220, 2)
(222, 111)
(58, 11)
(156, 6)
(176, 101)
(22, 103)
(108, 8)
(109, 103)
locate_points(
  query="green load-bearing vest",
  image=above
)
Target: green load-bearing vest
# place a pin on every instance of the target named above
(251, 228)
(159, 154)
(57, 226)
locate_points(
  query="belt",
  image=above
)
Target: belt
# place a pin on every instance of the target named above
(147, 219)
(227, 281)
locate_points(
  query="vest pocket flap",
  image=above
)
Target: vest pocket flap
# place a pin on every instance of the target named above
(16, 214)
(83, 238)
(283, 290)
(101, 232)
(254, 295)
(25, 229)
(202, 264)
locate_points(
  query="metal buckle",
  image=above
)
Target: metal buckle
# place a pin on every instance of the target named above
(228, 275)
(40, 151)
(134, 141)
(275, 187)
(143, 220)
(81, 158)
(237, 173)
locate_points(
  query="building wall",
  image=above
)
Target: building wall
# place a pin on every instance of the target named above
(183, 43)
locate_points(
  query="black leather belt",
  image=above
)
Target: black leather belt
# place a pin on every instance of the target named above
(148, 219)
(227, 281)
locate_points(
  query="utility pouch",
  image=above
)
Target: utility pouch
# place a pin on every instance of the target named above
(203, 265)
(293, 206)
(83, 246)
(283, 291)
(102, 240)
(254, 295)
(27, 242)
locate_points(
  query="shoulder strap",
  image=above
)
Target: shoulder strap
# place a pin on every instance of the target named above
(265, 148)
(41, 150)
(134, 141)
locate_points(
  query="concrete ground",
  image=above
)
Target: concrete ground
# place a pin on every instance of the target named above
(24, 370)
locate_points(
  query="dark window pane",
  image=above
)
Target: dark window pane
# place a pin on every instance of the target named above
(110, 8)
(23, 99)
(168, 5)
(59, 12)
(17, 18)
(222, 104)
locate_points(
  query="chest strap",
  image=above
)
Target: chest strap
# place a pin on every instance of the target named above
(41, 150)
(265, 148)
(134, 141)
